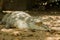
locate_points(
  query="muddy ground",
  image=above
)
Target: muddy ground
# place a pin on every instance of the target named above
(16, 34)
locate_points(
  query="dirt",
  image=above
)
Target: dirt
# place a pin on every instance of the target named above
(15, 34)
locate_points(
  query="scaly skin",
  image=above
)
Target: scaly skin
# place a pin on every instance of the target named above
(23, 20)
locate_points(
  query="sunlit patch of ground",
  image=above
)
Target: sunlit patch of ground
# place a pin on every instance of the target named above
(54, 23)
